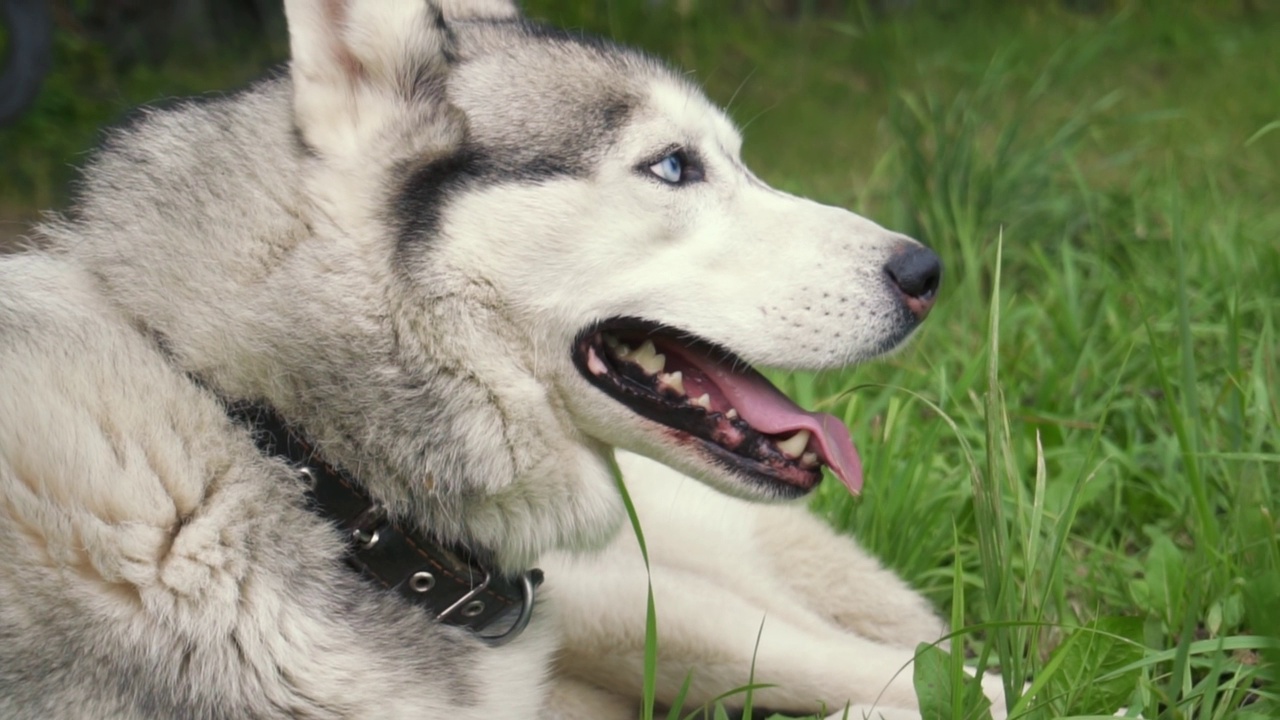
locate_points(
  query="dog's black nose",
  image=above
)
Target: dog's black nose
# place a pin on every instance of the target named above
(916, 271)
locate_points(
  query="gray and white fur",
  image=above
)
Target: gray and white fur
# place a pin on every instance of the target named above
(395, 243)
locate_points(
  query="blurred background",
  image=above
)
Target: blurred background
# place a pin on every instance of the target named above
(816, 81)
(1094, 436)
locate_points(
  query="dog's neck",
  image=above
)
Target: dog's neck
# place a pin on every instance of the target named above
(456, 584)
(456, 438)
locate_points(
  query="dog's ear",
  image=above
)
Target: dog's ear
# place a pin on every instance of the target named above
(357, 62)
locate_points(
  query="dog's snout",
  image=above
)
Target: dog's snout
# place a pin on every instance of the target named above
(916, 271)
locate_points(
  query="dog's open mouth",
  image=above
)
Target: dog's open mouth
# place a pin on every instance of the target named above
(705, 393)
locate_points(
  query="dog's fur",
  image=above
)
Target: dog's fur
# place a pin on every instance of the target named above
(395, 244)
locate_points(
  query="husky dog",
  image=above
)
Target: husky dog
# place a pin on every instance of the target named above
(457, 258)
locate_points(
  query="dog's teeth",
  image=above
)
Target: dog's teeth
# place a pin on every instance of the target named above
(594, 363)
(622, 351)
(793, 446)
(611, 341)
(731, 413)
(809, 460)
(703, 401)
(648, 358)
(673, 381)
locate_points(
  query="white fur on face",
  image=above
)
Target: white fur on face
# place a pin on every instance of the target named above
(779, 280)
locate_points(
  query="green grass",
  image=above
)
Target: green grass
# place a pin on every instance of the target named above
(1085, 438)
(84, 94)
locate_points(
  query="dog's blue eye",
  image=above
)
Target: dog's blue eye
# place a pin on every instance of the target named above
(669, 169)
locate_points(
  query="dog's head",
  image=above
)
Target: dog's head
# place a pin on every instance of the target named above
(592, 204)
(468, 255)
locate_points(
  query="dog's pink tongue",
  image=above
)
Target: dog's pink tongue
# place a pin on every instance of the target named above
(769, 411)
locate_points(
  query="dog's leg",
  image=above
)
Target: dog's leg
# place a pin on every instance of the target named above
(840, 581)
(709, 630)
(844, 584)
(837, 627)
(826, 573)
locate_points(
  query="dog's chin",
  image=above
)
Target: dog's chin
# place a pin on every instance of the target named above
(697, 407)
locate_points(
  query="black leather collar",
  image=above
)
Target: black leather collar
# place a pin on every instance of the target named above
(449, 581)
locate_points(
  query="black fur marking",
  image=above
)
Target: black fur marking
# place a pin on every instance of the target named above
(426, 189)
(422, 188)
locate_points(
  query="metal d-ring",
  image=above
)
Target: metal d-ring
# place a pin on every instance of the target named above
(527, 586)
